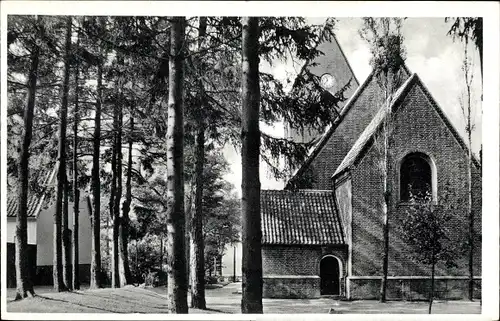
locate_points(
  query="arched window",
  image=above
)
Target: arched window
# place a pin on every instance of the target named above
(415, 177)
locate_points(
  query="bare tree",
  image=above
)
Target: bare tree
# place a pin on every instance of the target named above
(176, 266)
(467, 110)
(24, 284)
(386, 44)
(251, 301)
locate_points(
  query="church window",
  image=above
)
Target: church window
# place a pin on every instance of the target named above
(415, 177)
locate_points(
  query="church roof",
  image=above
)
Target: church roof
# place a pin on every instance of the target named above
(331, 129)
(305, 217)
(365, 138)
(35, 200)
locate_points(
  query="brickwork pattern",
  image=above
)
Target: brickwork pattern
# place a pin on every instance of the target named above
(297, 261)
(291, 288)
(413, 289)
(347, 132)
(417, 127)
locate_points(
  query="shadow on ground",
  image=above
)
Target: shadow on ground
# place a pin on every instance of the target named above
(223, 299)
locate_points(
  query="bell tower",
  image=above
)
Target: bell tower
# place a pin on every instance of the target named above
(335, 72)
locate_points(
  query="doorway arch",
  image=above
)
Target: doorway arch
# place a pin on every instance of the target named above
(330, 269)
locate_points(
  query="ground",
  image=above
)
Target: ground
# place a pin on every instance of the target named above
(220, 299)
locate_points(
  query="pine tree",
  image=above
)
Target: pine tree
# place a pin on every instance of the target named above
(76, 191)
(114, 200)
(126, 278)
(95, 266)
(197, 242)
(176, 273)
(251, 301)
(24, 284)
(60, 270)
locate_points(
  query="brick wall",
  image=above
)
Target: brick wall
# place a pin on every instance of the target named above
(417, 127)
(413, 289)
(287, 287)
(283, 267)
(345, 135)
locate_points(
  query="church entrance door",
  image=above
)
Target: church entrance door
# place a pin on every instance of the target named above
(330, 275)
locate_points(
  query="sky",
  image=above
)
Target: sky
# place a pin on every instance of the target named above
(431, 53)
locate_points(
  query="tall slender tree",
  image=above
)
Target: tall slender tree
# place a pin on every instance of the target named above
(175, 218)
(467, 109)
(60, 270)
(113, 200)
(76, 191)
(126, 278)
(386, 45)
(197, 243)
(119, 188)
(66, 236)
(95, 266)
(24, 284)
(251, 301)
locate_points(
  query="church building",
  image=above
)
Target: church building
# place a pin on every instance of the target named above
(323, 234)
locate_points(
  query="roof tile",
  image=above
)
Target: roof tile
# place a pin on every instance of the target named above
(305, 217)
(45, 177)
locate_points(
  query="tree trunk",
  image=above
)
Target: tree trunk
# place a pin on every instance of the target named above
(113, 201)
(60, 271)
(95, 267)
(431, 299)
(125, 220)
(251, 301)
(108, 253)
(234, 263)
(67, 270)
(176, 270)
(161, 259)
(469, 194)
(197, 245)
(119, 187)
(386, 207)
(76, 192)
(137, 276)
(24, 283)
(189, 213)
(471, 223)
(468, 129)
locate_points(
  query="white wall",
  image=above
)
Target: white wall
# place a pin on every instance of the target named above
(11, 230)
(45, 232)
(228, 260)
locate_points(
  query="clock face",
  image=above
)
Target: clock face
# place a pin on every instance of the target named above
(327, 81)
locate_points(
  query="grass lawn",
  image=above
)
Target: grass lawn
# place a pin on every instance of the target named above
(126, 300)
(222, 299)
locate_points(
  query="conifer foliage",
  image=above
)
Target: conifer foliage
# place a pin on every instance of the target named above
(174, 92)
